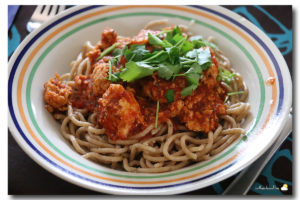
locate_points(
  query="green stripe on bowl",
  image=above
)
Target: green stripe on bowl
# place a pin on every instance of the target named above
(56, 42)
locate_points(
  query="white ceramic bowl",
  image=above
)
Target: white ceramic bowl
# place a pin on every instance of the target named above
(56, 43)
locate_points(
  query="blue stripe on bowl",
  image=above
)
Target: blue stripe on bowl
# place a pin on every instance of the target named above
(38, 35)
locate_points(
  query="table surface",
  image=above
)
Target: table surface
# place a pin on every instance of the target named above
(25, 177)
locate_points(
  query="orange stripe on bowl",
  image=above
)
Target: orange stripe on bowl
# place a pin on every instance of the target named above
(60, 29)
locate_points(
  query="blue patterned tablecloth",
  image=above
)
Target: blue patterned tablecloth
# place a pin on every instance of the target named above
(275, 21)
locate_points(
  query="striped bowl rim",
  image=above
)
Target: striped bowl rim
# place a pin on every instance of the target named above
(108, 181)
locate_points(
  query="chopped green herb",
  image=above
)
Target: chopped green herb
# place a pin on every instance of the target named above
(180, 42)
(194, 74)
(167, 70)
(115, 77)
(245, 137)
(169, 39)
(156, 115)
(195, 68)
(225, 76)
(136, 53)
(202, 56)
(155, 40)
(117, 52)
(235, 93)
(232, 93)
(163, 32)
(136, 70)
(198, 42)
(186, 46)
(167, 44)
(109, 70)
(170, 96)
(176, 31)
(188, 90)
(173, 54)
(157, 57)
(108, 50)
(177, 39)
(186, 61)
(193, 79)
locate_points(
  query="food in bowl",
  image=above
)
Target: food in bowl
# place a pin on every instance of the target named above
(151, 103)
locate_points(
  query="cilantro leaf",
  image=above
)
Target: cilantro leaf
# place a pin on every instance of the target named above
(167, 44)
(169, 39)
(108, 50)
(194, 74)
(186, 46)
(156, 114)
(192, 54)
(136, 52)
(136, 70)
(109, 70)
(193, 79)
(157, 57)
(194, 69)
(186, 62)
(176, 31)
(232, 93)
(235, 93)
(170, 96)
(225, 76)
(198, 42)
(202, 56)
(115, 77)
(188, 90)
(155, 40)
(117, 52)
(167, 70)
(177, 38)
(173, 54)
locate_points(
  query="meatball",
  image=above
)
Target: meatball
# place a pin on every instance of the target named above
(123, 41)
(99, 78)
(93, 54)
(156, 88)
(108, 38)
(201, 110)
(56, 94)
(142, 36)
(82, 96)
(119, 112)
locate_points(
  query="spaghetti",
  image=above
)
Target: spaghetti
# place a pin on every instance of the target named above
(110, 119)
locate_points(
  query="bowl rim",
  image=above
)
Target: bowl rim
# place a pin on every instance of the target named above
(29, 152)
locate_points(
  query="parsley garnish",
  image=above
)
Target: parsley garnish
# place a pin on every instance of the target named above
(235, 93)
(108, 50)
(232, 93)
(109, 70)
(225, 76)
(156, 115)
(174, 55)
(170, 96)
(136, 70)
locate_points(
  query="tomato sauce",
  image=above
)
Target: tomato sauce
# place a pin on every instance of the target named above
(125, 109)
(82, 96)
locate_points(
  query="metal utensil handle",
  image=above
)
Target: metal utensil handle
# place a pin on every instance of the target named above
(243, 182)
